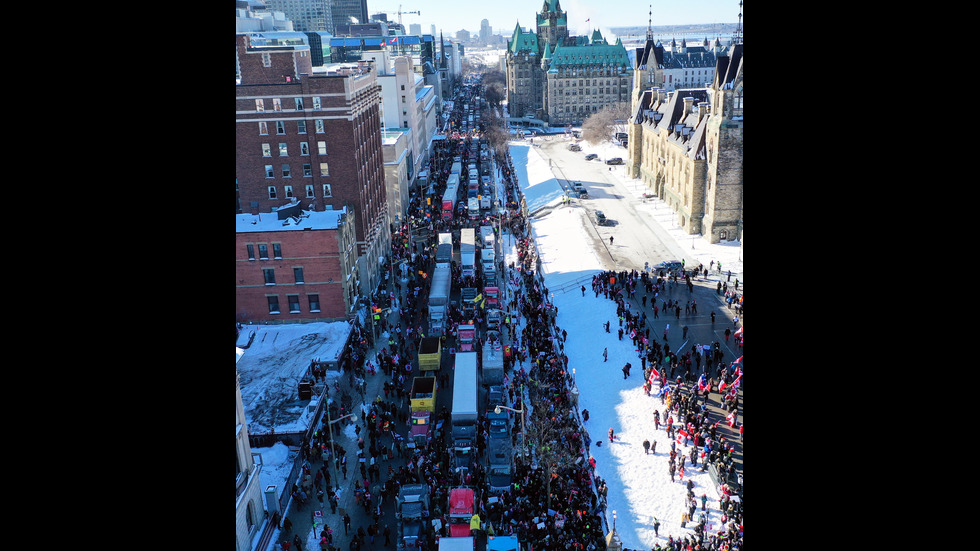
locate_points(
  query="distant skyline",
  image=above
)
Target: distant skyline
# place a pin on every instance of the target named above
(449, 17)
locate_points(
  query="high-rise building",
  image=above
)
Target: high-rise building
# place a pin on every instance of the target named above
(307, 15)
(312, 136)
(415, 29)
(485, 32)
(463, 35)
(348, 11)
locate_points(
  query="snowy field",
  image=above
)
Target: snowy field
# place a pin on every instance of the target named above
(640, 488)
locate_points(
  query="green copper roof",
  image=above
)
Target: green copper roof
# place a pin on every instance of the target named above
(597, 38)
(590, 55)
(523, 41)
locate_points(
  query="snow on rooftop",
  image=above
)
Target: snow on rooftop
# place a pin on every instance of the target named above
(272, 366)
(269, 221)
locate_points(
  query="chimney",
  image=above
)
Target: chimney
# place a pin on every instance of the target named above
(703, 108)
(688, 103)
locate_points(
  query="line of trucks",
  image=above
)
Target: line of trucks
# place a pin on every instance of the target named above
(471, 369)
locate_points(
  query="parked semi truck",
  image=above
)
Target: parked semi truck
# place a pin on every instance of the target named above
(493, 359)
(464, 415)
(439, 300)
(461, 505)
(444, 250)
(467, 252)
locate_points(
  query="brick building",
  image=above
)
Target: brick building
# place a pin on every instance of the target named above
(294, 265)
(313, 136)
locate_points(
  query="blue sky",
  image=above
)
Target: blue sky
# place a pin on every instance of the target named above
(450, 16)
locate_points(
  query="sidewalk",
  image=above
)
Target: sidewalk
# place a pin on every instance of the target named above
(302, 515)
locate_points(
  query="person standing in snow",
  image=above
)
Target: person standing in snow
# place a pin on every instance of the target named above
(585, 415)
(646, 447)
(605, 353)
(611, 435)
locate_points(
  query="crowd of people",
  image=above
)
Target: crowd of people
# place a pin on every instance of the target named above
(683, 382)
(556, 501)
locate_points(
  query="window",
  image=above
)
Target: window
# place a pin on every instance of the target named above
(260, 105)
(289, 192)
(285, 171)
(266, 150)
(304, 148)
(319, 126)
(264, 252)
(321, 147)
(251, 251)
(273, 304)
(283, 150)
(266, 59)
(276, 104)
(270, 275)
(316, 103)
(263, 128)
(299, 104)
(309, 191)
(314, 303)
(298, 274)
(293, 301)
(324, 169)
(308, 169)
(326, 190)
(280, 127)
(269, 173)
(272, 192)
(301, 127)
(277, 250)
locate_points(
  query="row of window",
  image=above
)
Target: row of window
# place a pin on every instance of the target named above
(270, 171)
(270, 273)
(277, 104)
(281, 127)
(304, 149)
(289, 194)
(293, 302)
(264, 251)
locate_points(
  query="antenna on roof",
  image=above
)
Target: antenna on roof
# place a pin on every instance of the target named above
(737, 37)
(650, 24)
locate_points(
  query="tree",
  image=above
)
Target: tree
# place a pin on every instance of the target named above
(604, 123)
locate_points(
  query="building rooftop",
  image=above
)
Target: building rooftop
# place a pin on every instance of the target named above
(306, 220)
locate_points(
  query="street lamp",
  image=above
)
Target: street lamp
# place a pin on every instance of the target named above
(333, 463)
(523, 430)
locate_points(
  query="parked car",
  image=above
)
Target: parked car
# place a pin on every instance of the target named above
(591, 156)
(580, 189)
(600, 218)
(574, 147)
(668, 265)
(614, 161)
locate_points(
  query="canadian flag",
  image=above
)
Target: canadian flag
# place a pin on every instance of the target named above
(731, 419)
(722, 386)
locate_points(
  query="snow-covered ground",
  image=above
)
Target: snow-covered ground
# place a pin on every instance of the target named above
(640, 488)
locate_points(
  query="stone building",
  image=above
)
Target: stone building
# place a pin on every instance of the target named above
(686, 146)
(563, 79)
(249, 510)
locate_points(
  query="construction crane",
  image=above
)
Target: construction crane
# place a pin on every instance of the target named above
(400, 12)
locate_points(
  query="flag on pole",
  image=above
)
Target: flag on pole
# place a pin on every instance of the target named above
(589, 19)
(702, 383)
(736, 382)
